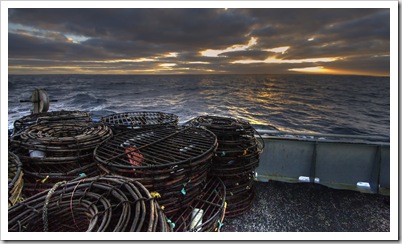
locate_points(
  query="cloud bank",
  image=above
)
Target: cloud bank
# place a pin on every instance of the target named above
(193, 41)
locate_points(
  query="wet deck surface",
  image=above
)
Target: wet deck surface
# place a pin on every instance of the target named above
(305, 207)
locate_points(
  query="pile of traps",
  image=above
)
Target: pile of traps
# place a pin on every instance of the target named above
(53, 152)
(97, 204)
(137, 120)
(156, 175)
(235, 159)
(172, 162)
(15, 180)
(51, 117)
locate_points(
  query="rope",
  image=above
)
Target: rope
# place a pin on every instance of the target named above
(47, 199)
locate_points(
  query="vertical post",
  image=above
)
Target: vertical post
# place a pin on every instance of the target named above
(313, 163)
(35, 100)
(40, 101)
(375, 173)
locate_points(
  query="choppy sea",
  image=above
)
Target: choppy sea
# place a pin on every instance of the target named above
(355, 105)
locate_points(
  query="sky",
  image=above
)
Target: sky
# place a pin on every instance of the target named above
(199, 41)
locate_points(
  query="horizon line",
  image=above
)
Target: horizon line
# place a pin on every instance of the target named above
(148, 74)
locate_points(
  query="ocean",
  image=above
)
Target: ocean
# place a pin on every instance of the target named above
(354, 105)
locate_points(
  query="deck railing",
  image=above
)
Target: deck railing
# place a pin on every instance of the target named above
(353, 162)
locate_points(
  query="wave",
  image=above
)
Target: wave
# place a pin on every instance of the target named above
(322, 104)
(86, 101)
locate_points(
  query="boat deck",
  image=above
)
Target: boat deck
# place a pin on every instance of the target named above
(308, 207)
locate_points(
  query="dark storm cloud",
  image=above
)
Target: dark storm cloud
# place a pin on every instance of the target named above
(374, 64)
(30, 46)
(107, 34)
(368, 34)
(327, 25)
(248, 54)
(259, 68)
(376, 25)
(189, 27)
(25, 46)
(318, 48)
(125, 48)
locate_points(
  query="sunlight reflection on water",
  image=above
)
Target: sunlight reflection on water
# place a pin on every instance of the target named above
(309, 103)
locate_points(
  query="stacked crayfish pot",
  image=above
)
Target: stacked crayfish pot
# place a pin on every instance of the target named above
(139, 120)
(62, 116)
(95, 204)
(206, 212)
(172, 162)
(15, 179)
(235, 159)
(51, 152)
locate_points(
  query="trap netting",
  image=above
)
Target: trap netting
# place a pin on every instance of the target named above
(235, 159)
(172, 162)
(140, 119)
(52, 152)
(97, 204)
(62, 116)
(15, 179)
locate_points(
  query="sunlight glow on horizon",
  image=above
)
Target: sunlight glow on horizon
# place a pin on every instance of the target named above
(323, 70)
(316, 69)
(20, 69)
(175, 66)
(163, 69)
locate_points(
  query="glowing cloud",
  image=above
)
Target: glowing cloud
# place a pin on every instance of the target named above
(171, 55)
(167, 65)
(75, 38)
(316, 69)
(138, 60)
(274, 60)
(198, 62)
(234, 48)
(278, 49)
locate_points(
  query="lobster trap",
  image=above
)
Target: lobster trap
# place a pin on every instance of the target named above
(15, 179)
(51, 117)
(206, 212)
(53, 152)
(97, 204)
(173, 162)
(235, 159)
(137, 120)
